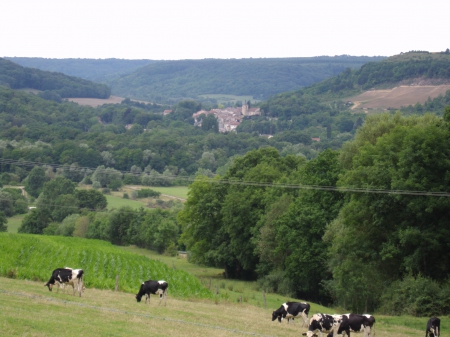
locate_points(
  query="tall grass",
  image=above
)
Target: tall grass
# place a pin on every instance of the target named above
(34, 257)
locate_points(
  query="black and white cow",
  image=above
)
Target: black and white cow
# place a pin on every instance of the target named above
(433, 327)
(290, 310)
(153, 287)
(354, 323)
(321, 323)
(73, 277)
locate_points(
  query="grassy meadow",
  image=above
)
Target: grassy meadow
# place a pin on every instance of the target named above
(29, 309)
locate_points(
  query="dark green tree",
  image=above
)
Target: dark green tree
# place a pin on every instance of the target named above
(3, 222)
(35, 221)
(35, 181)
(209, 123)
(91, 199)
(379, 238)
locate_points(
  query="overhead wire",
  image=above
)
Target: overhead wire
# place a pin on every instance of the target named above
(232, 181)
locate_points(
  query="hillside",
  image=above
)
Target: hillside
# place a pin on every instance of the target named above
(398, 81)
(259, 78)
(97, 70)
(52, 85)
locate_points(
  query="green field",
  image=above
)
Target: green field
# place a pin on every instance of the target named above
(33, 257)
(29, 309)
(115, 201)
(14, 223)
(173, 191)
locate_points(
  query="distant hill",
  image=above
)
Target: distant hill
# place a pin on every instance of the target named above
(52, 85)
(401, 80)
(406, 68)
(259, 78)
(97, 70)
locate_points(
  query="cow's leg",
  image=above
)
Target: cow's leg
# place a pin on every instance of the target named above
(305, 318)
(79, 287)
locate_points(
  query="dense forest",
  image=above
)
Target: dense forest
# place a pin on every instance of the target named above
(54, 86)
(355, 227)
(260, 78)
(96, 70)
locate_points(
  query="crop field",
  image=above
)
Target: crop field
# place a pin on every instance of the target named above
(34, 257)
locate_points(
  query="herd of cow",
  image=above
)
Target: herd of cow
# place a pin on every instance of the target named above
(332, 325)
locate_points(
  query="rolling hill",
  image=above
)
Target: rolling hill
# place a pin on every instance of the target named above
(409, 79)
(97, 70)
(51, 85)
(259, 78)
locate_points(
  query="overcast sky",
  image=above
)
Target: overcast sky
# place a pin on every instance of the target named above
(198, 29)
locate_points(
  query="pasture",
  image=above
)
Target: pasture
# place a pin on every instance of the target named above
(29, 309)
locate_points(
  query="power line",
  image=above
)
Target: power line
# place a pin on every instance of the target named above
(236, 182)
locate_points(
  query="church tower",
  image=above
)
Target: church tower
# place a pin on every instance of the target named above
(245, 109)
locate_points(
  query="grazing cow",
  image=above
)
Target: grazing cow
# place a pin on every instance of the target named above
(74, 277)
(355, 323)
(153, 287)
(63, 285)
(290, 310)
(321, 323)
(433, 327)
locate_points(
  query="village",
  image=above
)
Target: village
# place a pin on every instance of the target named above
(228, 118)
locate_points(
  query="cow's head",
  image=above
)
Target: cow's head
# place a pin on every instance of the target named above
(138, 298)
(49, 285)
(275, 315)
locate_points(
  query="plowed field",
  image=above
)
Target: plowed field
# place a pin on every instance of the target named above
(397, 97)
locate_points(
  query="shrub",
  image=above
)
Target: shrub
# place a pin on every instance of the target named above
(277, 283)
(415, 296)
(50, 229)
(147, 193)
